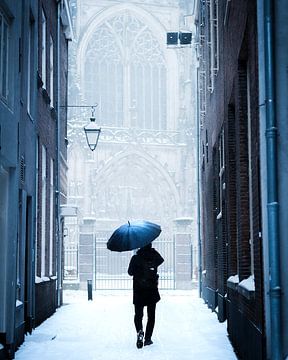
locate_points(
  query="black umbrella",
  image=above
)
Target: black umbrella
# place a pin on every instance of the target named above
(133, 235)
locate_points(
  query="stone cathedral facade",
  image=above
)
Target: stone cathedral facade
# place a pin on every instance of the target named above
(144, 166)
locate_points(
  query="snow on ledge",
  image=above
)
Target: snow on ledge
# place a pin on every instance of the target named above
(19, 303)
(233, 282)
(233, 279)
(39, 280)
(248, 284)
(1, 347)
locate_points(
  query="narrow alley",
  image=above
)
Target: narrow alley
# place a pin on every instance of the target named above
(143, 139)
(103, 329)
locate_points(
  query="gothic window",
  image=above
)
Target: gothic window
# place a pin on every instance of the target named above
(125, 73)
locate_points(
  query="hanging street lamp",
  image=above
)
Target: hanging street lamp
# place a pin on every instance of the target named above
(92, 132)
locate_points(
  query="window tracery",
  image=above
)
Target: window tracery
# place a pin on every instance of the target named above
(125, 73)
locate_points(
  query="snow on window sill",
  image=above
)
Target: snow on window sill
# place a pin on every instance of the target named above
(38, 280)
(247, 287)
(53, 112)
(219, 216)
(18, 303)
(42, 279)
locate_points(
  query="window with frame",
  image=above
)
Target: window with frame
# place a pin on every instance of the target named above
(30, 64)
(44, 51)
(43, 212)
(207, 146)
(124, 59)
(245, 181)
(221, 156)
(36, 205)
(4, 48)
(203, 156)
(51, 71)
(212, 42)
(250, 174)
(202, 78)
(51, 229)
(231, 213)
(18, 249)
(214, 37)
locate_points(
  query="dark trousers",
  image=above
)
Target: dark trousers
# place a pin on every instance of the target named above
(150, 321)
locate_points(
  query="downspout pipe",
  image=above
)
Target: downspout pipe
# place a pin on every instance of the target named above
(272, 186)
(58, 220)
(196, 11)
(198, 194)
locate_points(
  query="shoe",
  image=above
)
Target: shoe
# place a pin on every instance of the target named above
(140, 337)
(148, 342)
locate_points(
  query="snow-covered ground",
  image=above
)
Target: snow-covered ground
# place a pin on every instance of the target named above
(103, 329)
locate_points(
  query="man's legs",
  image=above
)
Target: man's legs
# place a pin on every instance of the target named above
(138, 325)
(150, 322)
(138, 317)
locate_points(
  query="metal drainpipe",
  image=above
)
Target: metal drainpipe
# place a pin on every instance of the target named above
(198, 192)
(58, 237)
(272, 187)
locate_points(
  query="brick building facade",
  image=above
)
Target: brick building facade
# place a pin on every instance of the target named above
(18, 63)
(229, 144)
(53, 19)
(33, 82)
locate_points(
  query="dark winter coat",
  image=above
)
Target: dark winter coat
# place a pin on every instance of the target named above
(143, 296)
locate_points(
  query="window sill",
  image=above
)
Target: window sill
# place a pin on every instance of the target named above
(248, 294)
(39, 81)
(246, 287)
(46, 96)
(219, 216)
(45, 279)
(53, 113)
(232, 285)
(236, 286)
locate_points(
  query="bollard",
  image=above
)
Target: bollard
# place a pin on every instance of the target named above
(89, 288)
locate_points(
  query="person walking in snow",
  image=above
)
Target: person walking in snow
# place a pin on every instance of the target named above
(143, 267)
